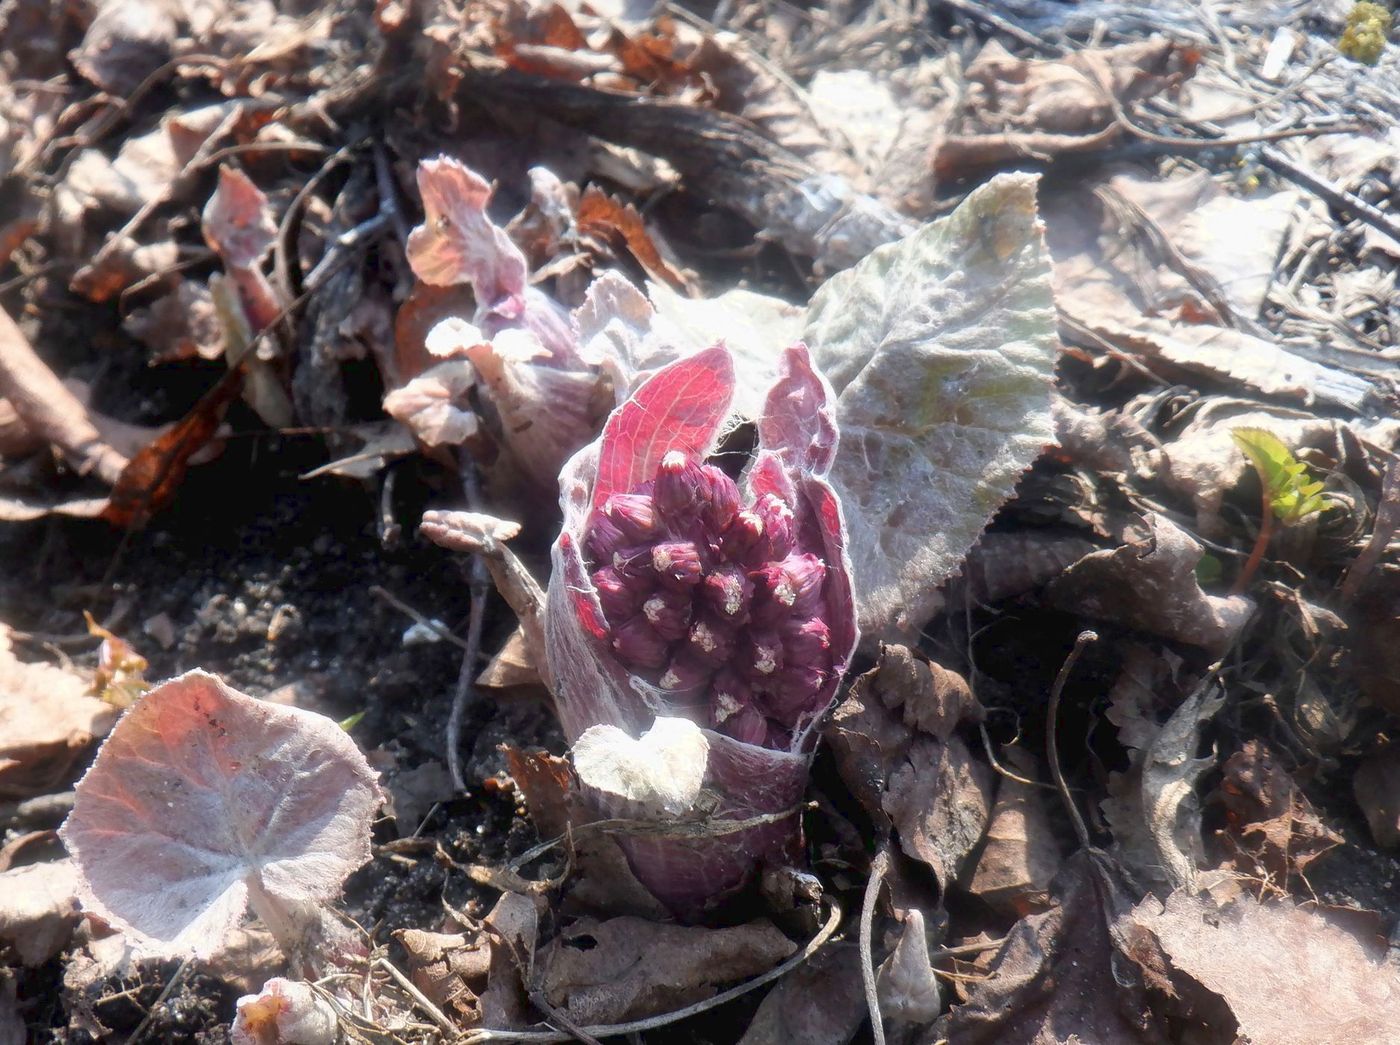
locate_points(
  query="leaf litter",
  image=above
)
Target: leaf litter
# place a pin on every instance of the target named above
(795, 310)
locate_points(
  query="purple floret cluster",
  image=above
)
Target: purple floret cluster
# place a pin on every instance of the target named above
(714, 602)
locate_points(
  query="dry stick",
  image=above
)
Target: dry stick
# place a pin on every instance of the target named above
(175, 981)
(997, 22)
(466, 678)
(878, 867)
(1052, 748)
(424, 1002)
(436, 627)
(1387, 521)
(817, 942)
(554, 1016)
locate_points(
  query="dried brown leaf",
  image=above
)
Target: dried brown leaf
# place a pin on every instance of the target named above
(620, 227)
(450, 968)
(905, 698)
(818, 1003)
(1269, 821)
(153, 477)
(627, 968)
(1377, 789)
(49, 410)
(126, 42)
(38, 909)
(1153, 809)
(1018, 109)
(939, 800)
(1021, 854)
(1062, 976)
(1289, 976)
(47, 719)
(1150, 584)
(179, 325)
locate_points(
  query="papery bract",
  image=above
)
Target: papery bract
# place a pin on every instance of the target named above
(522, 343)
(675, 594)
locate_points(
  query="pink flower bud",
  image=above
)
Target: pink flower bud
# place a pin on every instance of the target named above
(729, 693)
(793, 586)
(619, 595)
(722, 501)
(634, 515)
(677, 563)
(747, 725)
(681, 487)
(638, 644)
(778, 527)
(604, 538)
(742, 536)
(727, 592)
(760, 654)
(685, 675)
(807, 642)
(634, 562)
(790, 694)
(711, 640)
(668, 611)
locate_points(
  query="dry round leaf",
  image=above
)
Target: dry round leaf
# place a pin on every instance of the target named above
(204, 798)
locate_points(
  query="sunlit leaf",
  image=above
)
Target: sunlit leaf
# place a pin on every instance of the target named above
(941, 349)
(1293, 493)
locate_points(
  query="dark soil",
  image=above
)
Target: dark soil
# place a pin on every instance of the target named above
(266, 580)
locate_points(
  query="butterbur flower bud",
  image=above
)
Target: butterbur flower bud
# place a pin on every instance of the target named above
(730, 607)
(794, 585)
(721, 503)
(711, 640)
(743, 534)
(806, 641)
(668, 611)
(604, 538)
(634, 562)
(638, 643)
(788, 695)
(761, 654)
(680, 488)
(620, 596)
(685, 675)
(747, 725)
(777, 518)
(634, 516)
(677, 563)
(727, 592)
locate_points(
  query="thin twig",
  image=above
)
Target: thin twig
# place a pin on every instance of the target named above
(175, 981)
(466, 678)
(436, 627)
(1052, 748)
(706, 828)
(1386, 523)
(878, 867)
(423, 1001)
(478, 1037)
(556, 1018)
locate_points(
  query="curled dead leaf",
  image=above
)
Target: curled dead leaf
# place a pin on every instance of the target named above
(602, 972)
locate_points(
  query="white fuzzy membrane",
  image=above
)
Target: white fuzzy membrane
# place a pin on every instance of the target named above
(663, 768)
